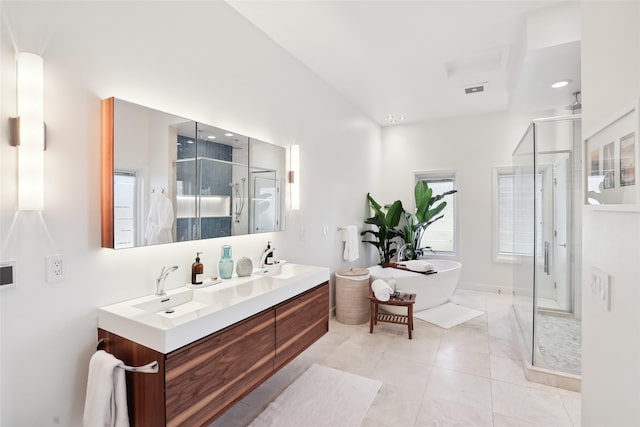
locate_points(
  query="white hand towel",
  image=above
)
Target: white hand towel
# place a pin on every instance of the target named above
(106, 400)
(418, 265)
(351, 243)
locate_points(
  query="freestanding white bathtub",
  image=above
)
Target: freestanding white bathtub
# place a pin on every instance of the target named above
(431, 290)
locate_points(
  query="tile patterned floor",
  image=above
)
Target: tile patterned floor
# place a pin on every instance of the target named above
(464, 376)
(560, 343)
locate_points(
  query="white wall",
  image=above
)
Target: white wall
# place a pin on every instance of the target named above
(471, 146)
(199, 60)
(611, 240)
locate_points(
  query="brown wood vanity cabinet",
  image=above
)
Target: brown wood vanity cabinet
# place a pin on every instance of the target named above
(197, 383)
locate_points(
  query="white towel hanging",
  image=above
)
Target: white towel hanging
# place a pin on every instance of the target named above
(351, 243)
(106, 400)
(159, 220)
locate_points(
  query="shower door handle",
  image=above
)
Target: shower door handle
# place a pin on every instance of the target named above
(546, 257)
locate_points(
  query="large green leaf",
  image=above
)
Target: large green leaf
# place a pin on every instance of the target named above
(375, 220)
(393, 214)
(422, 194)
(435, 211)
(374, 204)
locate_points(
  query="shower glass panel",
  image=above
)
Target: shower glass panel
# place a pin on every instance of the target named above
(524, 236)
(546, 187)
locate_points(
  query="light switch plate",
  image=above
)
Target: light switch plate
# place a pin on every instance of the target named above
(7, 273)
(601, 287)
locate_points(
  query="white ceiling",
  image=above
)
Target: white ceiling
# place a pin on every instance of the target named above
(414, 58)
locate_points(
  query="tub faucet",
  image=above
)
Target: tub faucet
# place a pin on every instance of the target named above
(160, 280)
(401, 251)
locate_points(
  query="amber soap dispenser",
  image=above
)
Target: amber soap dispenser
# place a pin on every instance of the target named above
(197, 271)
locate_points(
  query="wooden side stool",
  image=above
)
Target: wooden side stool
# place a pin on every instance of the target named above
(404, 300)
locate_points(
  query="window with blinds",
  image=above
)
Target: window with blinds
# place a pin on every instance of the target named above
(515, 207)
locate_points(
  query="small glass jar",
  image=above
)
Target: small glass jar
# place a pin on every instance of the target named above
(225, 266)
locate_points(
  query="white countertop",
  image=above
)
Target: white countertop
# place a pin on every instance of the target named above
(211, 309)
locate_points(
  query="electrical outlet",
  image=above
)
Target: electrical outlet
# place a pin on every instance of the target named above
(601, 287)
(55, 268)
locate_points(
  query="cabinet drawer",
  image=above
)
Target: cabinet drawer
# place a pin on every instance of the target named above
(204, 378)
(300, 322)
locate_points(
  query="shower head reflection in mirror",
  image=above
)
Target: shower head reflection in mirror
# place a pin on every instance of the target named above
(239, 199)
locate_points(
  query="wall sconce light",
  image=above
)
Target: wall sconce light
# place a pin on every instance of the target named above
(294, 177)
(27, 132)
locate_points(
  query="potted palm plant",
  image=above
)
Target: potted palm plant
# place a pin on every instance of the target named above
(427, 212)
(386, 221)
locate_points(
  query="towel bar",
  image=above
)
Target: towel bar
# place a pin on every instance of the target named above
(149, 368)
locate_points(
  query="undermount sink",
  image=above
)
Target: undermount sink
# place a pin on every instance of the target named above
(174, 304)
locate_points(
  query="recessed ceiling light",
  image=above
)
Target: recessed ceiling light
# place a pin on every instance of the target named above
(211, 137)
(560, 83)
(228, 134)
(190, 141)
(394, 119)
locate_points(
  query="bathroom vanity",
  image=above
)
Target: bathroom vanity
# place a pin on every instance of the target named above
(213, 345)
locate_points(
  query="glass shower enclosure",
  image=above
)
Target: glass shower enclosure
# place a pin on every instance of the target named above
(547, 194)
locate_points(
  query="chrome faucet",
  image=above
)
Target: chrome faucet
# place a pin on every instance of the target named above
(263, 258)
(403, 248)
(160, 280)
(417, 252)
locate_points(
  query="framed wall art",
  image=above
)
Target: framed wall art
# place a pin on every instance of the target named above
(611, 164)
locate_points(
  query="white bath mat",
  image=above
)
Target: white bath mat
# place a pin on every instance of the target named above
(448, 315)
(321, 397)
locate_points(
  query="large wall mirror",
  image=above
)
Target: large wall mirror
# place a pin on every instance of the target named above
(169, 179)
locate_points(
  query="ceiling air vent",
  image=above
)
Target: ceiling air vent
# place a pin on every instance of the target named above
(479, 87)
